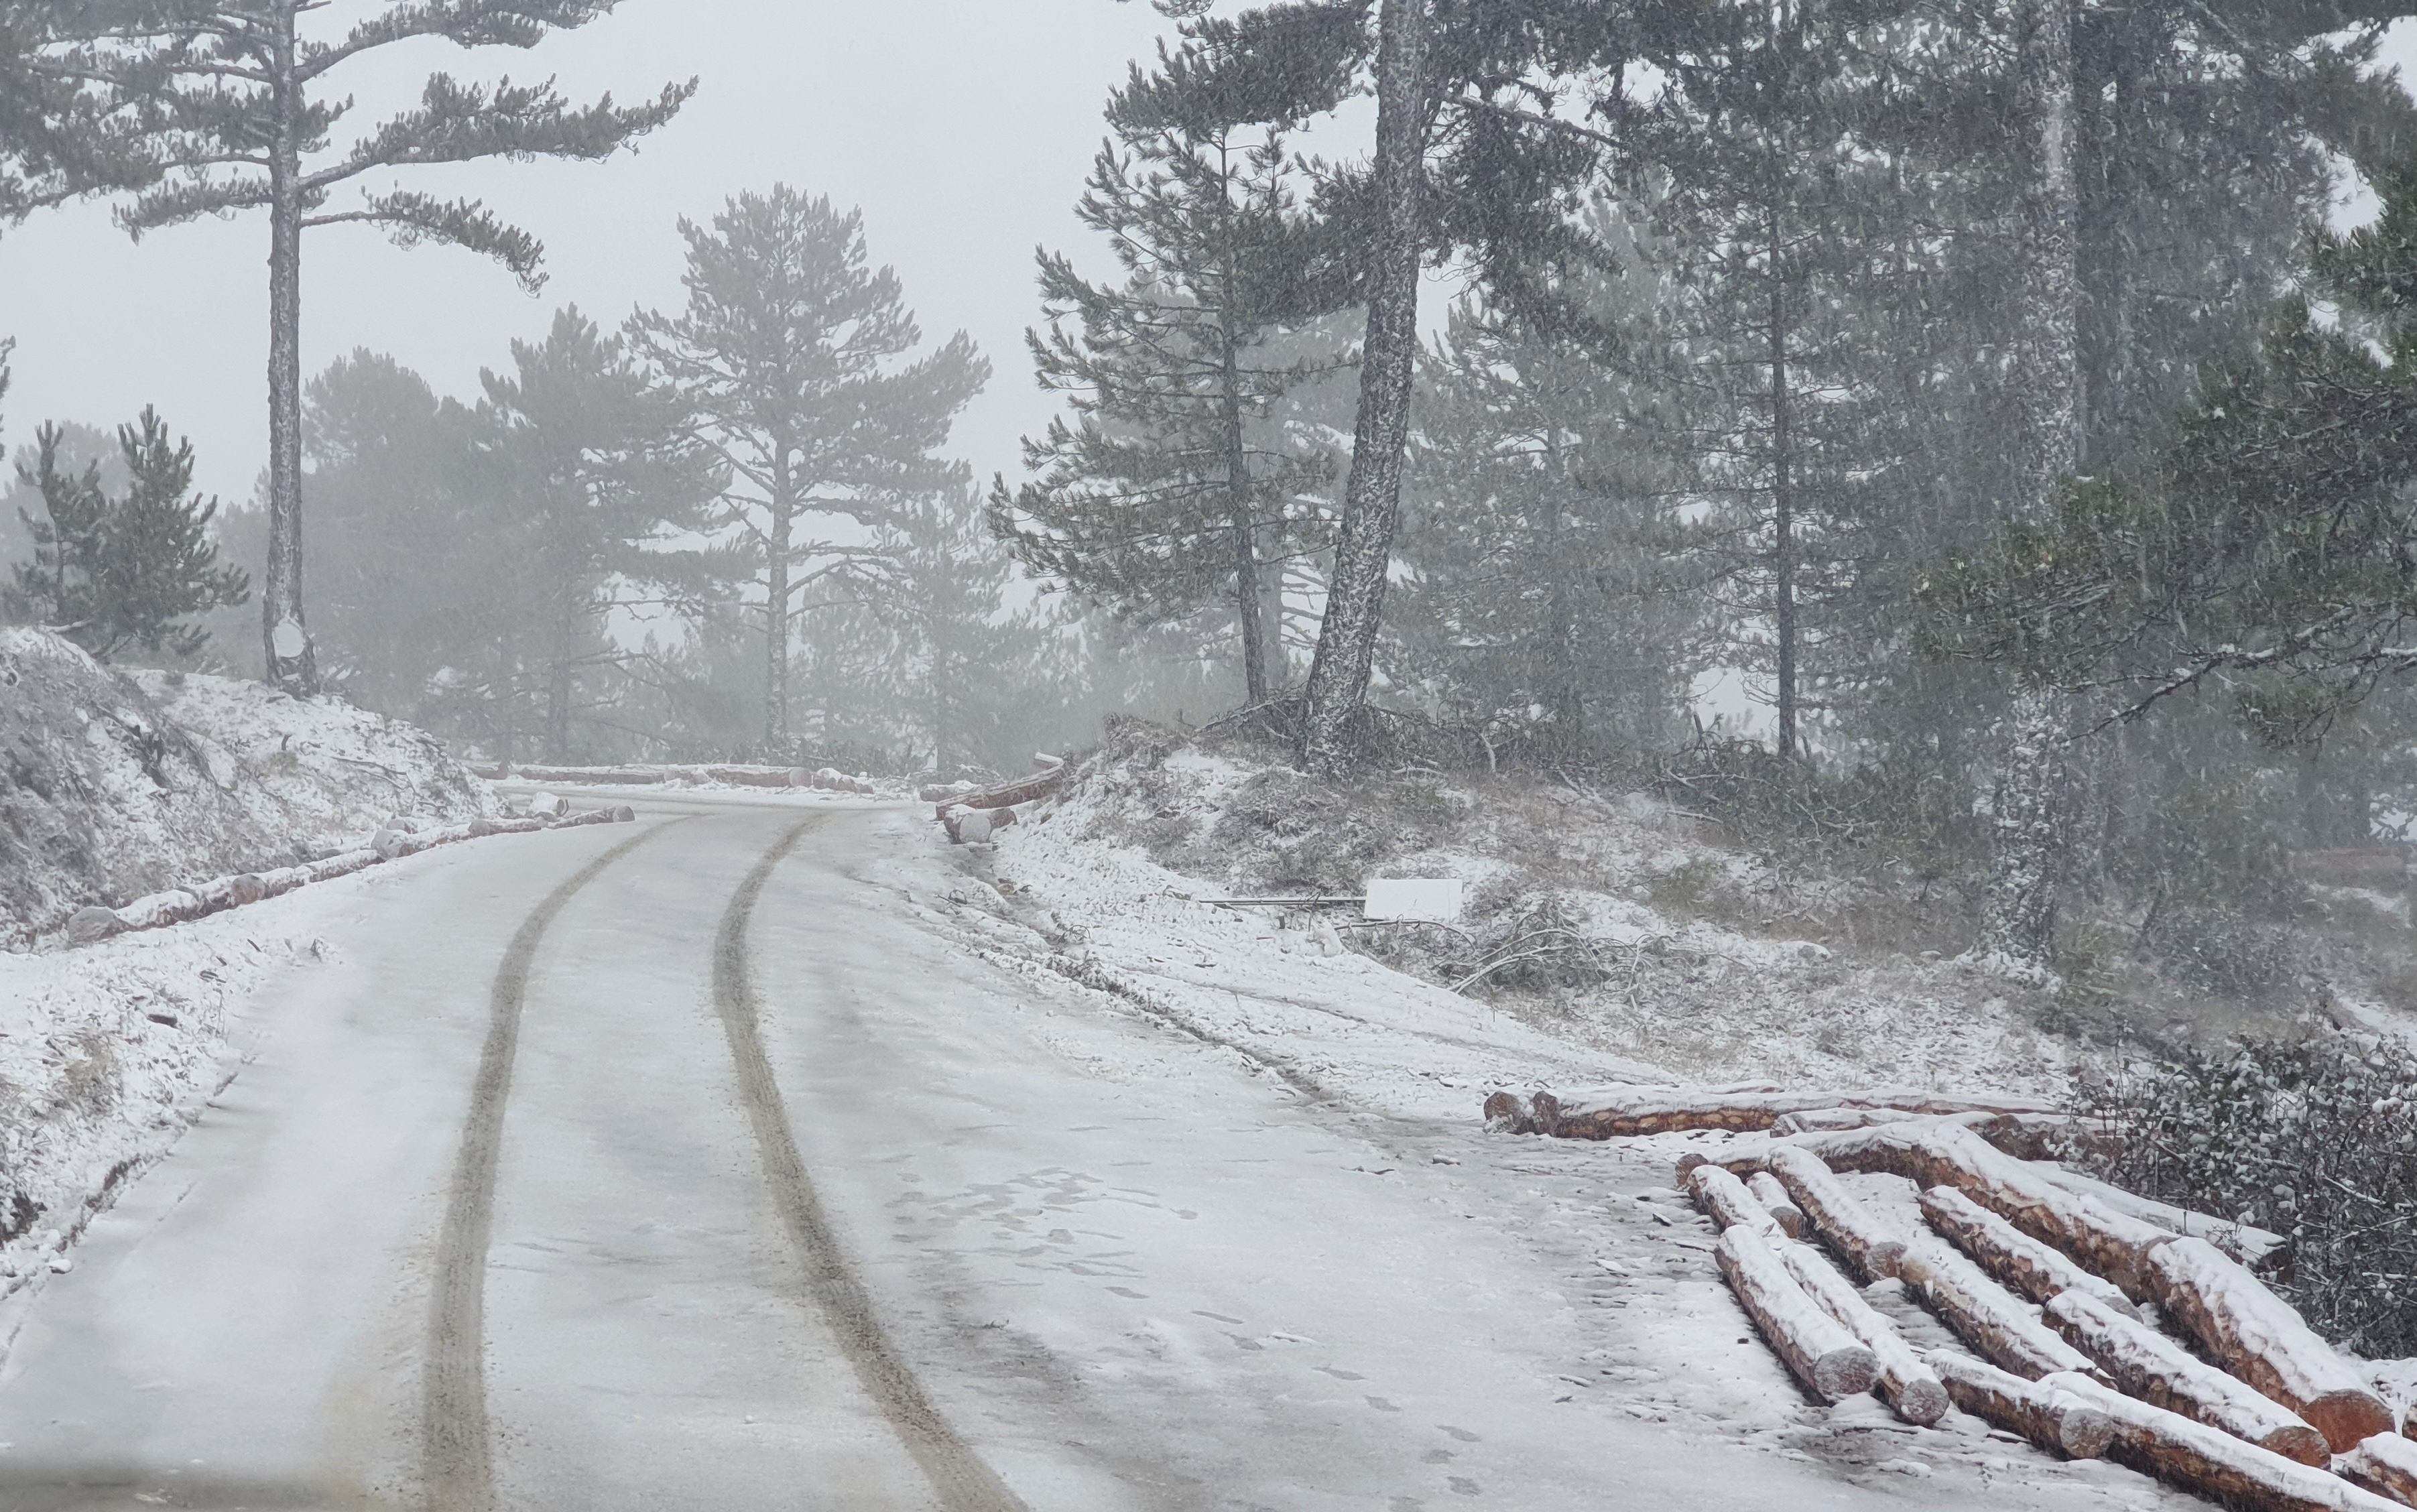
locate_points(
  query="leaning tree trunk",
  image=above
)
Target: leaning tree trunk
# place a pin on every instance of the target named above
(287, 655)
(1783, 510)
(1364, 546)
(2031, 809)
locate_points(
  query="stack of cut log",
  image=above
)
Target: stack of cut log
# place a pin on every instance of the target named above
(829, 778)
(979, 813)
(2092, 1317)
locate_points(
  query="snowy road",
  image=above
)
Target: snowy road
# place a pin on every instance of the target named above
(706, 1168)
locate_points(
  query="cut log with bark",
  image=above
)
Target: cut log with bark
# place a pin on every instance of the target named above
(1725, 1199)
(1991, 1320)
(1621, 1112)
(1813, 1345)
(2260, 1339)
(2385, 1464)
(1823, 1120)
(1006, 795)
(2027, 1267)
(2245, 1243)
(2213, 1463)
(1905, 1382)
(2148, 1365)
(1507, 1112)
(1874, 1246)
(1932, 1154)
(1776, 1201)
(2057, 1421)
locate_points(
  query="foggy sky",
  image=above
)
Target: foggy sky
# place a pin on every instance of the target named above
(962, 127)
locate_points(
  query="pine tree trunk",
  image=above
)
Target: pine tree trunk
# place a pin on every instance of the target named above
(2031, 810)
(1783, 510)
(776, 617)
(1563, 695)
(1238, 497)
(1364, 547)
(291, 662)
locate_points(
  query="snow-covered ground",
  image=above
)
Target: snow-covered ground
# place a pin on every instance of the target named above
(121, 785)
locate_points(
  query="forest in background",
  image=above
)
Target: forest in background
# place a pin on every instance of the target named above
(1973, 385)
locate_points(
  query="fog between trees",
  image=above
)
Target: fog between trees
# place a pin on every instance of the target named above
(1890, 362)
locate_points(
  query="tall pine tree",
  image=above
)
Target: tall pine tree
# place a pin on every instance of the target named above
(236, 108)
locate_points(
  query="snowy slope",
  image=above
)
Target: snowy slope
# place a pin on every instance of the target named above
(113, 786)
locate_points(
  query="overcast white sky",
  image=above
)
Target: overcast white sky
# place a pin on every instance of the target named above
(962, 127)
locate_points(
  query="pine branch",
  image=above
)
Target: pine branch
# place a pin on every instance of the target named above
(412, 218)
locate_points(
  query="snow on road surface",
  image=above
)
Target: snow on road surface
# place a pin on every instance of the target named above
(1033, 1243)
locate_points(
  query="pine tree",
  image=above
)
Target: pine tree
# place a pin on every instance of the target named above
(592, 467)
(1169, 492)
(794, 356)
(118, 574)
(234, 98)
(1542, 535)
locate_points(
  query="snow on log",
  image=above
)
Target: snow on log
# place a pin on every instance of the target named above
(1730, 1205)
(1852, 1229)
(2057, 1421)
(2258, 1336)
(943, 793)
(2250, 1246)
(1776, 1201)
(1931, 1154)
(1906, 1383)
(1620, 1113)
(1984, 1314)
(2024, 1264)
(93, 923)
(2213, 1463)
(1822, 1120)
(1813, 1345)
(1006, 795)
(2148, 1365)
(2385, 1464)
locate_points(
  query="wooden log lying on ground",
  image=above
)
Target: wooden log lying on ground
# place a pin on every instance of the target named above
(1984, 1314)
(2026, 1265)
(2385, 1464)
(2213, 1463)
(1006, 795)
(2148, 1365)
(1813, 1345)
(1853, 1229)
(2057, 1421)
(1776, 1201)
(1935, 1154)
(2243, 1241)
(1725, 1199)
(1507, 1112)
(1621, 1112)
(1823, 1120)
(2258, 1336)
(1908, 1386)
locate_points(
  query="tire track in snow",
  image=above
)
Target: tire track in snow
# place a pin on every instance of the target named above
(958, 1475)
(458, 1465)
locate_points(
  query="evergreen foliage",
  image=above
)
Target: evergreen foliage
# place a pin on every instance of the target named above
(122, 574)
(1170, 491)
(222, 106)
(797, 361)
